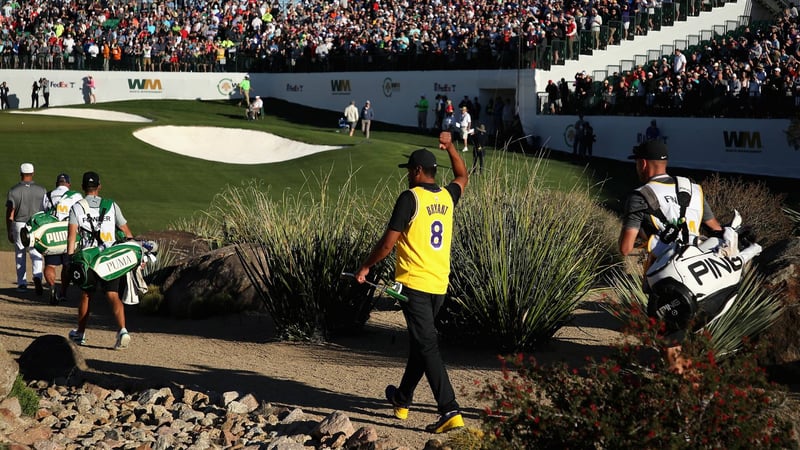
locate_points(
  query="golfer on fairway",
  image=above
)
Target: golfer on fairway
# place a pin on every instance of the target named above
(422, 227)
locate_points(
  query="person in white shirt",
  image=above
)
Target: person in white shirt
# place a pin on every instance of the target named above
(255, 108)
(679, 62)
(90, 226)
(147, 57)
(351, 116)
(58, 202)
(595, 24)
(466, 126)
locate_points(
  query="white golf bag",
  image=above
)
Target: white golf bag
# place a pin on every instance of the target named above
(695, 283)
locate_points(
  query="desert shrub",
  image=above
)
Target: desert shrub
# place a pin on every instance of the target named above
(28, 398)
(467, 438)
(761, 209)
(523, 257)
(294, 250)
(157, 272)
(755, 309)
(205, 225)
(631, 401)
(151, 302)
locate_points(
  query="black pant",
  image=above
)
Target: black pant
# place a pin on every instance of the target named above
(424, 356)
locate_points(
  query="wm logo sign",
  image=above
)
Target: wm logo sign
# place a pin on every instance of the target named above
(144, 84)
(742, 141)
(340, 87)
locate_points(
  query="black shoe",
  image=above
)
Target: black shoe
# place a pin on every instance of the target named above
(446, 422)
(400, 409)
(38, 283)
(53, 297)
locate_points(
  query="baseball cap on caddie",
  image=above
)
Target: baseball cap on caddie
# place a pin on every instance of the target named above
(91, 179)
(650, 150)
(420, 158)
(62, 177)
(26, 168)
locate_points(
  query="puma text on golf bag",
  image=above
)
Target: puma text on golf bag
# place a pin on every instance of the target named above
(46, 234)
(108, 264)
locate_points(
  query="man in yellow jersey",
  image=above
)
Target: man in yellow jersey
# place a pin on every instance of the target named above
(422, 228)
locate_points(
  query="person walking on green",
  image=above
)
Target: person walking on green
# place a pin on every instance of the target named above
(422, 113)
(244, 89)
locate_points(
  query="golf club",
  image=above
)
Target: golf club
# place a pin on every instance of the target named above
(393, 290)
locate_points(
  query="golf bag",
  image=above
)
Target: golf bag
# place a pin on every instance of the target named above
(120, 259)
(695, 283)
(45, 233)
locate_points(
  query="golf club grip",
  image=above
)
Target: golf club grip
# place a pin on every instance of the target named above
(396, 295)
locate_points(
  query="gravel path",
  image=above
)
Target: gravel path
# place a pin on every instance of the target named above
(236, 353)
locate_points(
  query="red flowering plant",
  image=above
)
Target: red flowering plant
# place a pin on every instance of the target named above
(632, 400)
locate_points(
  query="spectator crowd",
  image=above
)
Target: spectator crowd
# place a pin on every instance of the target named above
(725, 76)
(307, 35)
(754, 72)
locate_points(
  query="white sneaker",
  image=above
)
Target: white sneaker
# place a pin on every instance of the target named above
(123, 340)
(465, 149)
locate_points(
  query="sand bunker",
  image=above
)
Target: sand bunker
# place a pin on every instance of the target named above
(228, 145)
(93, 114)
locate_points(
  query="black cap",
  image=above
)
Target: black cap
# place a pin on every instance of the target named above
(650, 150)
(91, 179)
(62, 177)
(420, 158)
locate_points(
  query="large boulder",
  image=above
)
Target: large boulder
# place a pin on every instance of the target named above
(8, 372)
(52, 358)
(175, 247)
(781, 265)
(209, 284)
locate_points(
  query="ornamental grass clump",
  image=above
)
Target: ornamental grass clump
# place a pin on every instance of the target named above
(762, 210)
(294, 250)
(523, 256)
(632, 401)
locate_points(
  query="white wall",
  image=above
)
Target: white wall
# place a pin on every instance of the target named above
(392, 94)
(768, 147)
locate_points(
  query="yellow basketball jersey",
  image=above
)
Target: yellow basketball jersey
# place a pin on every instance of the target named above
(423, 250)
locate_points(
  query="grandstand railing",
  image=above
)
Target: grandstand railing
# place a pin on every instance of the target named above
(728, 105)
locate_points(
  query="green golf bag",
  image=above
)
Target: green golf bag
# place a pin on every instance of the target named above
(108, 264)
(46, 234)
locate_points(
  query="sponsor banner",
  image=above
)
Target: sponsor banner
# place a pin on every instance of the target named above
(752, 146)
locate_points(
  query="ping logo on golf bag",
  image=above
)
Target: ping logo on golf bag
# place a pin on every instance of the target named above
(670, 308)
(714, 266)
